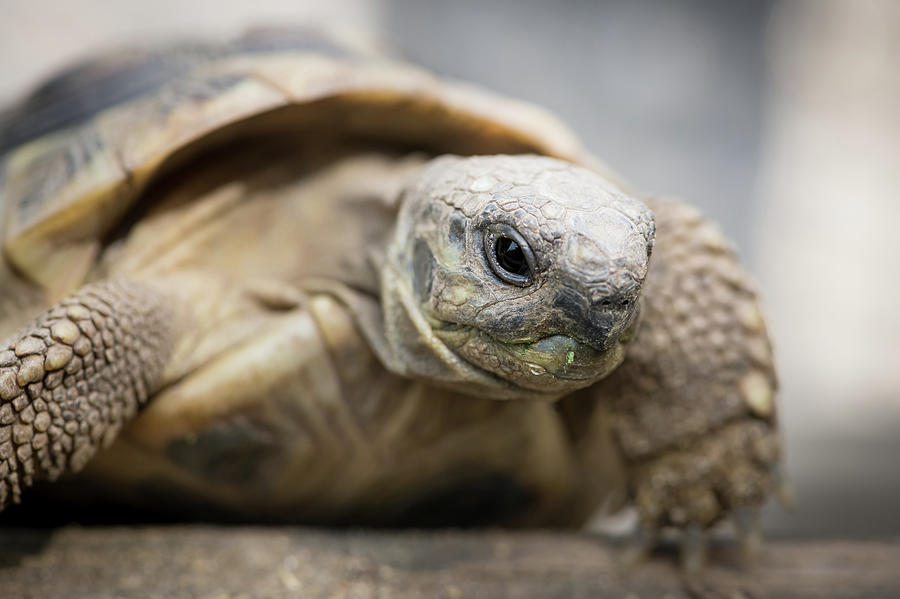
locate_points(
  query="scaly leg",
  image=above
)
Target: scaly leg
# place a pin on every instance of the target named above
(71, 380)
(691, 409)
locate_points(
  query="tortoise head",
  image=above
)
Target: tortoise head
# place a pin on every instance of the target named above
(514, 276)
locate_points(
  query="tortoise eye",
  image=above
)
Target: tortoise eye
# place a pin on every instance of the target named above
(509, 256)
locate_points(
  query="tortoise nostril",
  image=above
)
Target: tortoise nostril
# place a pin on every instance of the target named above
(608, 303)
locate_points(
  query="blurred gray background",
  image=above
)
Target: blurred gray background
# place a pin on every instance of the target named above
(779, 118)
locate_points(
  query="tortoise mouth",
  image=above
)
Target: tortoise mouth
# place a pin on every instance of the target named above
(555, 363)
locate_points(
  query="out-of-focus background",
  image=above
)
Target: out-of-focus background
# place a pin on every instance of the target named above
(779, 118)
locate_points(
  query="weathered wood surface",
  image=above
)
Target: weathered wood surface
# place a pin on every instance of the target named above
(215, 562)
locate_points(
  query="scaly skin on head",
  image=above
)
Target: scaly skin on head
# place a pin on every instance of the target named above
(514, 276)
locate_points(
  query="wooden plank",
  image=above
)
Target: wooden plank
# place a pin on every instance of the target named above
(188, 561)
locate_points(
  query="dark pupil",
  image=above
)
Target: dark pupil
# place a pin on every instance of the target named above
(510, 256)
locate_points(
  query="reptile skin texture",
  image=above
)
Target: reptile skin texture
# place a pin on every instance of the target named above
(72, 379)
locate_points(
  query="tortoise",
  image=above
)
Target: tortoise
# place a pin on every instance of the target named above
(293, 278)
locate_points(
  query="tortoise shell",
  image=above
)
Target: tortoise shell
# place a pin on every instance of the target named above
(83, 148)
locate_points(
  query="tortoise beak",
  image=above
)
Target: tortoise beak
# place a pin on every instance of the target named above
(565, 357)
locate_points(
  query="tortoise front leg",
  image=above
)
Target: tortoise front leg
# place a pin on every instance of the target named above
(71, 380)
(691, 410)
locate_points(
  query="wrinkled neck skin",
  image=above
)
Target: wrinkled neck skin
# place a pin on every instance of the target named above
(451, 318)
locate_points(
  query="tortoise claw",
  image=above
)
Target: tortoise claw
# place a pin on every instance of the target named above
(783, 489)
(693, 550)
(747, 521)
(637, 547)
